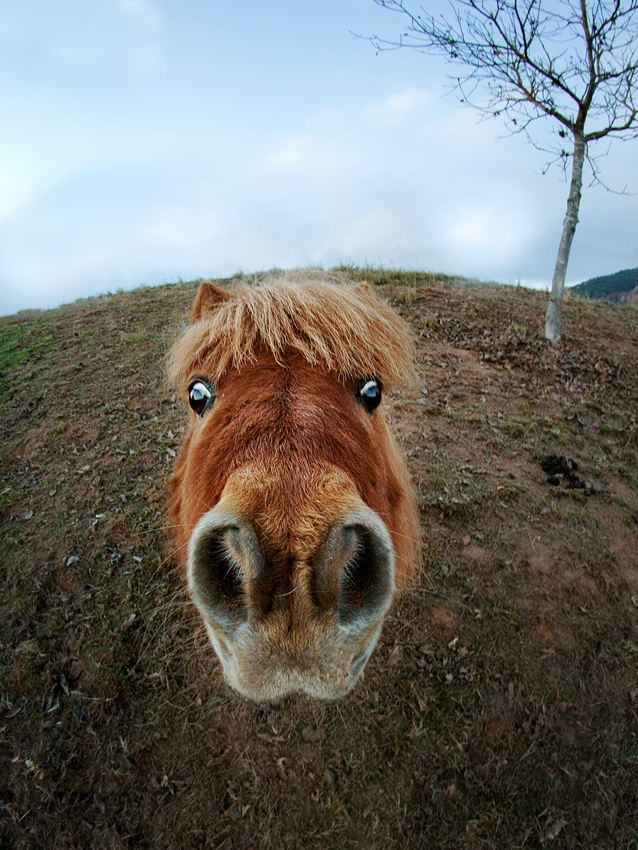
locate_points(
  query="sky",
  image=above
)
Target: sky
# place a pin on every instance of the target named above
(147, 141)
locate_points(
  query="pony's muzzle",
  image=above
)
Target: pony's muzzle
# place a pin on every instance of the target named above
(325, 625)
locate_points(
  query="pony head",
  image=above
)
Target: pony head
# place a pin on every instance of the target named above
(291, 502)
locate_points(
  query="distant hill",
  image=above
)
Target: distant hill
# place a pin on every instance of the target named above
(621, 288)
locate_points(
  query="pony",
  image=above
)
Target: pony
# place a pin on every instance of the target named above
(291, 503)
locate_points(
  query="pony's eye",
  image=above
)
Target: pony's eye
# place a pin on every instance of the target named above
(200, 396)
(368, 393)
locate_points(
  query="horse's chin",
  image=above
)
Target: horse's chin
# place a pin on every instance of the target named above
(272, 677)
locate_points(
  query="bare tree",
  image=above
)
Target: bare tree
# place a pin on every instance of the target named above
(573, 61)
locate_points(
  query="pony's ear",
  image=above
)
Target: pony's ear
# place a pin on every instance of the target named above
(208, 299)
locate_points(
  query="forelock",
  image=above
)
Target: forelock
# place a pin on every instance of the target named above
(343, 327)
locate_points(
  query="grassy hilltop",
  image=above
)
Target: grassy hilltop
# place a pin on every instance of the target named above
(500, 709)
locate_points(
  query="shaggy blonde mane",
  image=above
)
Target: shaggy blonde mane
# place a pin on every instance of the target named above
(341, 326)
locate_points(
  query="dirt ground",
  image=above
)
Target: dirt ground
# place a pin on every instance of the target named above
(500, 709)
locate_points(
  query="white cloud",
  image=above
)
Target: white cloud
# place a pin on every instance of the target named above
(71, 34)
(177, 228)
(147, 22)
(378, 230)
(318, 157)
(146, 13)
(487, 234)
(15, 193)
(398, 106)
(256, 250)
(296, 153)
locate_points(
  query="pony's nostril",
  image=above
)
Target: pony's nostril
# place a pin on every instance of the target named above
(221, 573)
(367, 579)
(228, 576)
(217, 579)
(354, 574)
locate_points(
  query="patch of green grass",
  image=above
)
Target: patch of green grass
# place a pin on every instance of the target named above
(516, 428)
(607, 430)
(20, 342)
(135, 338)
(382, 277)
(630, 458)
(12, 348)
(464, 413)
(407, 296)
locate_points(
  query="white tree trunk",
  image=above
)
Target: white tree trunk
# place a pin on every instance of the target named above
(555, 306)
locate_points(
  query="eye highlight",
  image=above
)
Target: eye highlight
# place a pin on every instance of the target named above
(368, 393)
(200, 395)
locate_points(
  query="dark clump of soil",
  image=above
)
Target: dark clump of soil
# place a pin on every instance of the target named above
(500, 709)
(561, 468)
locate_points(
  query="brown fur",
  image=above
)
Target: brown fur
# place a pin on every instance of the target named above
(286, 445)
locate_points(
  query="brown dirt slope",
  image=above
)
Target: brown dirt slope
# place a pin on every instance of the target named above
(500, 709)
